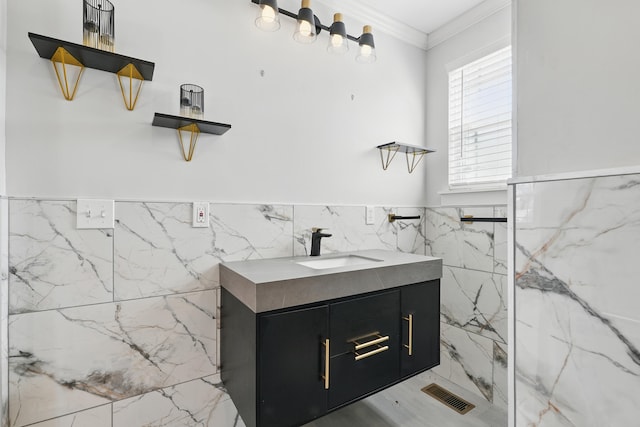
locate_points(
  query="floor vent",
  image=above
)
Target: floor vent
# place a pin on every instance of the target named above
(451, 400)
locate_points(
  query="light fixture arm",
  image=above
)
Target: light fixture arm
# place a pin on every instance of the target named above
(319, 25)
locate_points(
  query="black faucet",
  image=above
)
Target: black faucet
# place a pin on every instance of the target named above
(316, 235)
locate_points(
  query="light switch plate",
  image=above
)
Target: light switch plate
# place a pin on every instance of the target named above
(200, 214)
(94, 213)
(370, 215)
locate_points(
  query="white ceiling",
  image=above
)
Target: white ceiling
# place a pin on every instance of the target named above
(418, 22)
(423, 15)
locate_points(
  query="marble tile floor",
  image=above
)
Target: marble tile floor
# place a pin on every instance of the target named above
(405, 405)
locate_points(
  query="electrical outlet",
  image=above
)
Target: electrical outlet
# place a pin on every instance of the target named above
(94, 213)
(370, 215)
(200, 214)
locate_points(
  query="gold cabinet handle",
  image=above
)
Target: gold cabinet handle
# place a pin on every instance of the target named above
(371, 353)
(370, 343)
(325, 377)
(410, 346)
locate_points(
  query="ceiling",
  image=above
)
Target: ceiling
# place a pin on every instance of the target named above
(423, 15)
(414, 21)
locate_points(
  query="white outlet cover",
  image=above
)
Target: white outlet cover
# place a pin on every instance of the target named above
(370, 215)
(95, 213)
(200, 218)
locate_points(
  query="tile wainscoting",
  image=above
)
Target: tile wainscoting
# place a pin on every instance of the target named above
(119, 327)
(4, 311)
(473, 298)
(577, 338)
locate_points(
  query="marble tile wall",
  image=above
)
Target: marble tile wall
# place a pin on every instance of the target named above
(576, 302)
(119, 327)
(473, 308)
(4, 311)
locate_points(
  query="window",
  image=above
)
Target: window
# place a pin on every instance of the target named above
(480, 122)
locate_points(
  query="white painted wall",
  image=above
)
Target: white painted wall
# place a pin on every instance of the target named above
(481, 38)
(297, 135)
(578, 85)
(3, 81)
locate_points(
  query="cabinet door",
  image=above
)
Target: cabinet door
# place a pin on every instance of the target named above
(371, 323)
(291, 366)
(420, 305)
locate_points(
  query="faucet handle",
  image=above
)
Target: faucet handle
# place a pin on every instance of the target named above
(317, 229)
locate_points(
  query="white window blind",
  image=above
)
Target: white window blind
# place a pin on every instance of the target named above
(480, 122)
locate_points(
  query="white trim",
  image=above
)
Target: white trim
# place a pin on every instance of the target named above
(484, 197)
(410, 35)
(514, 103)
(597, 173)
(479, 53)
(511, 307)
(380, 21)
(466, 20)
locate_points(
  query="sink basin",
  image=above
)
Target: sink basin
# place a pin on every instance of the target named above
(339, 261)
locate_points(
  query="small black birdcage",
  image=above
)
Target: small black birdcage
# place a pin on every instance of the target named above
(191, 101)
(98, 24)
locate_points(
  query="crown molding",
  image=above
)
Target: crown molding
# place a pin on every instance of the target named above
(381, 22)
(410, 35)
(466, 20)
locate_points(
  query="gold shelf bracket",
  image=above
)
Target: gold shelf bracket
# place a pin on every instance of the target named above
(413, 153)
(193, 139)
(130, 72)
(391, 153)
(60, 59)
(416, 156)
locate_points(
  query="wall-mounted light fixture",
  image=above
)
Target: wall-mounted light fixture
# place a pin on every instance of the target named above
(309, 26)
(367, 53)
(306, 31)
(338, 41)
(268, 16)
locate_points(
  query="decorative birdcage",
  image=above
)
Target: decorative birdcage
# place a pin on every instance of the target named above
(98, 24)
(191, 101)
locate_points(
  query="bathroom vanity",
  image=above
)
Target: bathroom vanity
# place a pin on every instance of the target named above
(303, 336)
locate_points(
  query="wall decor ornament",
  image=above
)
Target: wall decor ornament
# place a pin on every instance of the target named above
(98, 26)
(70, 59)
(191, 101)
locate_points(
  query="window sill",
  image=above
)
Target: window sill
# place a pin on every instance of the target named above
(474, 197)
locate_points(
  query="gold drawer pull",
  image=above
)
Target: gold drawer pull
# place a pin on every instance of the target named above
(370, 343)
(371, 353)
(325, 377)
(410, 346)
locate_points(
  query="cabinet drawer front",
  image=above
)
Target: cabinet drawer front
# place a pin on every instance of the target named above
(370, 322)
(351, 379)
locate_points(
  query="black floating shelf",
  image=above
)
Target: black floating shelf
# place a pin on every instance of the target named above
(405, 148)
(412, 151)
(176, 122)
(91, 57)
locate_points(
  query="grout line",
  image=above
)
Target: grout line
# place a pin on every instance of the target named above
(70, 413)
(474, 333)
(176, 294)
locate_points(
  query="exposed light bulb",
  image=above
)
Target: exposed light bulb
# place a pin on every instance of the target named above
(268, 14)
(304, 28)
(337, 40)
(365, 50)
(268, 18)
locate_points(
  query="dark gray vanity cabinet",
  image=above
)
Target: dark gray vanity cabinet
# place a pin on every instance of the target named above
(290, 359)
(286, 367)
(364, 346)
(420, 307)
